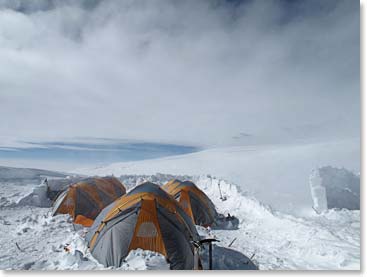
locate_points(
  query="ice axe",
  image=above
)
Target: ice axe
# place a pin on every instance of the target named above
(208, 241)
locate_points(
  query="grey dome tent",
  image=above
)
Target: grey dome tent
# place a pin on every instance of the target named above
(146, 218)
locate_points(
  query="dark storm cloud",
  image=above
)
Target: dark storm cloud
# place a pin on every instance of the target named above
(193, 72)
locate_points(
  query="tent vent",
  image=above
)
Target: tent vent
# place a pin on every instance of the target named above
(147, 230)
(184, 204)
(69, 202)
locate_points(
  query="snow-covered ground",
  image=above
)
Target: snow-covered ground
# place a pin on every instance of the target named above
(32, 239)
(281, 241)
(277, 175)
(267, 188)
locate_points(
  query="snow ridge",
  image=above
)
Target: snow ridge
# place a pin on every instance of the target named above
(282, 241)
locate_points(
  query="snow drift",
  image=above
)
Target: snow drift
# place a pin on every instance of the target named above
(38, 197)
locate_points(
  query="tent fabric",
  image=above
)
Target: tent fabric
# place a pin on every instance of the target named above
(85, 199)
(193, 201)
(147, 218)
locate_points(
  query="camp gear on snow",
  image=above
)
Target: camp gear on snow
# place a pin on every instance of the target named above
(147, 218)
(228, 222)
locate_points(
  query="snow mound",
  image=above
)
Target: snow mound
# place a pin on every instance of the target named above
(334, 188)
(38, 197)
(140, 259)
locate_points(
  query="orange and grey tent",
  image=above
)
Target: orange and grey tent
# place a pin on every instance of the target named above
(147, 218)
(194, 201)
(85, 199)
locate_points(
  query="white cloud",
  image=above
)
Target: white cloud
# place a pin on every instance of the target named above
(179, 71)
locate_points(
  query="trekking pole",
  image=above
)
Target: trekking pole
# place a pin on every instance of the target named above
(220, 192)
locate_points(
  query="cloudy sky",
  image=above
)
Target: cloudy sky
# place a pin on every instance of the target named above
(190, 73)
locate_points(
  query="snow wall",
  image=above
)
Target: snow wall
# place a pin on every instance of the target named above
(334, 188)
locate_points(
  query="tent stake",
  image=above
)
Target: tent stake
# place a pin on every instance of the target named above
(232, 242)
(20, 249)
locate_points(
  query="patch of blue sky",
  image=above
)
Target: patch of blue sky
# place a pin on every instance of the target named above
(95, 153)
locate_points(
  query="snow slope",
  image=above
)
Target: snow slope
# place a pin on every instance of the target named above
(249, 176)
(277, 175)
(14, 174)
